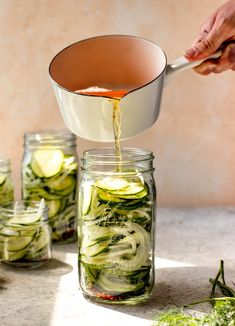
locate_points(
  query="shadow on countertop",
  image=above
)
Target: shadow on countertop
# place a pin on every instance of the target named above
(3, 283)
(175, 287)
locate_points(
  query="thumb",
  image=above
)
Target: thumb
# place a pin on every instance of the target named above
(205, 46)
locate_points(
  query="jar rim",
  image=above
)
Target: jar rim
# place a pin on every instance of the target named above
(48, 136)
(4, 162)
(107, 155)
(19, 207)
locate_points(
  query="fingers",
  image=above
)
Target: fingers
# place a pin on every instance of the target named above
(205, 29)
(218, 28)
(225, 62)
(207, 44)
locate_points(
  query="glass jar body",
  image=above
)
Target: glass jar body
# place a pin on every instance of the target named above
(117, 201)
(6, 182)
(25, 237)
(49, 171)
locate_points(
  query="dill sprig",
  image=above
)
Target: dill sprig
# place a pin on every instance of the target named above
(221, 314)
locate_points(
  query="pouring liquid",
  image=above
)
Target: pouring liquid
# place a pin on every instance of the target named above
(114, 97)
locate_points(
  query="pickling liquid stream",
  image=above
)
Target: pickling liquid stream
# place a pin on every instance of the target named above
(114, 98)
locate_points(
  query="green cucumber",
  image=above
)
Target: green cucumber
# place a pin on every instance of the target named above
(13, 255)
(42, 240)
(24, 219)
(61, 182)
(132, 189)
(86, 197)
(6, 189)
(138, 195)
(111, 183)
(3, 178)
(46, 163)
(16, 243)
(43, 193)
(64, 203)
(52, 175)
(53, 207)
(115, 245)
(70, 189)
(107, 197)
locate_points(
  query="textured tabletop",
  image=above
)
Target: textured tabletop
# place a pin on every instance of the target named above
(189, 246)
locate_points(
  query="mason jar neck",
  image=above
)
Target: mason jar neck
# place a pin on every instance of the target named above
(104, 160)
(49, 138)
(5, 165)
(22, 209)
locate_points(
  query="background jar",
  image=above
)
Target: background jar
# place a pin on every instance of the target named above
(6, 182)
(25, 235)
(117, 200)
(49, 171)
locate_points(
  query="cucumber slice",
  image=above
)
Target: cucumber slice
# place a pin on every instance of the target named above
(69, 189)
(24, 219)
(63, 204)
(46, 163)
(42, 254)
(16, 243)
(131, 189)
(86, 197)
(139, 195)
(43, 194)
(107, 197)
(110, 183)
(3, 178)
(53, 207)
(40, 242)
(61, 182)
(70, 164)
(13, 255)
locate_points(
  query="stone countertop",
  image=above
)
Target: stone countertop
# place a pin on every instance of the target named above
(189, 246)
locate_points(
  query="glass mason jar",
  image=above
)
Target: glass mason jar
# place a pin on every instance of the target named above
(6, 183)
(25, 235)
(49, 171)
(117, 200)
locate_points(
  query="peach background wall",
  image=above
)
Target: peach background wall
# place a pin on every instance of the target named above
(193, 140)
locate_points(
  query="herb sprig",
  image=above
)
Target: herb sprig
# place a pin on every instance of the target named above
(221, 314)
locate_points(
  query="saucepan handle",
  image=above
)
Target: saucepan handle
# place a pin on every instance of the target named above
(182, 63)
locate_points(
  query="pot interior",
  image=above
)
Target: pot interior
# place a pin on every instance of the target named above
(112, 61)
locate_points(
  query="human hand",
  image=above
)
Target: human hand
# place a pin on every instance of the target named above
(218, 30)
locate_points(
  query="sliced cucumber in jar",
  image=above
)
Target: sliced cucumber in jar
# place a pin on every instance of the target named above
(61, 183)
(53, 207)
(3, 178)
(115, 248)
(112, 184)
(47, 162)
(16, 243)
(24, 245)
(52, 175)
(6, 189)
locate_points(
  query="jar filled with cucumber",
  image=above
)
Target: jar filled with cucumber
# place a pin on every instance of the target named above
(25, 235)
(50, 171)
(6, 182)
(117, 200)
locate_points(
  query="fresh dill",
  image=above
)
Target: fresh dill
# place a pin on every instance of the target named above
(221, 314)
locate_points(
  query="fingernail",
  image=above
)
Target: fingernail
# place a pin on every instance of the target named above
(190, 52)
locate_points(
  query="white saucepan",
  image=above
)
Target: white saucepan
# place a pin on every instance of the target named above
(113, 62)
